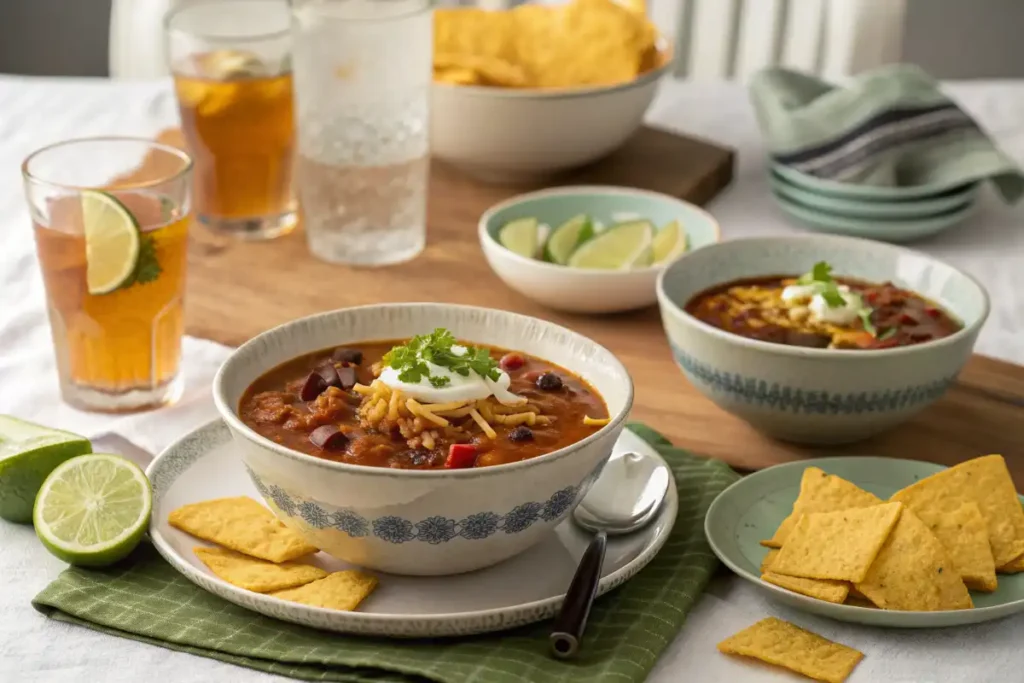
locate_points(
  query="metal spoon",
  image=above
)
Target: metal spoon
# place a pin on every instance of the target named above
(624, 499)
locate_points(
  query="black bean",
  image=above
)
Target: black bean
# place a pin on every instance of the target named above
(346, 378)
(549, 381)
(330, 374)
(312, 387)
(344, 355)
(328, 438)
(521, 433)
(418, 457)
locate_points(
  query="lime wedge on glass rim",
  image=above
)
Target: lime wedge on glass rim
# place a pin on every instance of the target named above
(566, 238)
(112, 241)
(620, 247)
(93, 510)
(520, 236)
(28, 453)
(669, 242)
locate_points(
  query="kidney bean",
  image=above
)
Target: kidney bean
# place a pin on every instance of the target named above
(521, 433)
(549, 381)
(329, 374)
(328, 438)
(512, 361)
(346, 378)
(312, 387)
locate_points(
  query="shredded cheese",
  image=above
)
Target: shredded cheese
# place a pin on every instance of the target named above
(595, 422)
(487, 429)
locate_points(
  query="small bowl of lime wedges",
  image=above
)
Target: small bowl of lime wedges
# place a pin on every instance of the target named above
(591, 249)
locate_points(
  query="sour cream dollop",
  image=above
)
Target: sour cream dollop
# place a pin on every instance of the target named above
(471, 387)
(820, 310)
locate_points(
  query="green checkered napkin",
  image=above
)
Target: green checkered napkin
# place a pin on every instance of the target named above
(145, 599)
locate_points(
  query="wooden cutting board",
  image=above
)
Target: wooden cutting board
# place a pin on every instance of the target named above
(238, 289)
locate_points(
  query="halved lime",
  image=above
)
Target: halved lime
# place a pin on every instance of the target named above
(620, 247)
(520, 236)
(93, 510)
(28, 453)
(566, 237)
(669, 243)
(112, 241)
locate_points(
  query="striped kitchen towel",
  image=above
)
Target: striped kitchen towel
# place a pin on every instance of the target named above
(892, 126)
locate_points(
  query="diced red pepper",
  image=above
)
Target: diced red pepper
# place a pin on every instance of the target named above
(460, 455)
(512, 361)
(871, 296)
(907, 319)
(932, 311)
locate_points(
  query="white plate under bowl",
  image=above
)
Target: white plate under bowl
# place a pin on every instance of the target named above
(525, 589)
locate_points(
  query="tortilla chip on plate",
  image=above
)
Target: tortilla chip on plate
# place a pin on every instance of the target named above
(837, 545)
(243, 525)
(914, 571)
(821, 492)
(256, 575)
(959, 525)
(987, 482)
(830, 591)
(783, 644)
(340, 590)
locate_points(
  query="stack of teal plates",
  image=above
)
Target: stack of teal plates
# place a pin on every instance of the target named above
(889, 214)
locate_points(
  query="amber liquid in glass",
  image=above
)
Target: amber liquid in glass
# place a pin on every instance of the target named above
(128, 339)
(241, 134)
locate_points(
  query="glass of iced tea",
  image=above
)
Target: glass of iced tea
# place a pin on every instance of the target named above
(111, 219)
(231, 61)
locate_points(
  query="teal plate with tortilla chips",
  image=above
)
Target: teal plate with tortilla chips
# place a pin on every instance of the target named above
(751, 510)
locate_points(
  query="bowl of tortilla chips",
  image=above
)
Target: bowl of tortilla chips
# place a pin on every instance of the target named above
(527, 93)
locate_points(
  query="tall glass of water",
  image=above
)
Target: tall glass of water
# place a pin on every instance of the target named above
(362, 72)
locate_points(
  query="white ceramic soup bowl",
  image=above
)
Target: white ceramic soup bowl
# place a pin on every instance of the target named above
(522, 134)
(818, 396)
(423, 522)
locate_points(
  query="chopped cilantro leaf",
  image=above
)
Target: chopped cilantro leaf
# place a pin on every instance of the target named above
(821, 272)
(411, 359)
(820, 278)
(888, 333)
(865, 321)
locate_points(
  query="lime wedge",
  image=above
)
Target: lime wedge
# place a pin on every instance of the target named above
(112, 242)
(620, 247)
(566, 238)
(93, 510)
(520, 236)
(669, 243)
(28, 453)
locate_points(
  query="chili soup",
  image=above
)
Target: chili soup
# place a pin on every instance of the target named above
(431, 402)
(819, 310)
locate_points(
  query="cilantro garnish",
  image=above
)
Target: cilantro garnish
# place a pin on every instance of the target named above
(865, 321)
(821, 279)
(411, 359)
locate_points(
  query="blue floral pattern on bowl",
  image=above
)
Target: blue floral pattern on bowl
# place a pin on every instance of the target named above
(433, 530)
(777, 396)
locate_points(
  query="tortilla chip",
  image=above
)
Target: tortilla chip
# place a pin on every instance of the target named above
(914, 572)
(987, 482)
(340, 590)
(1013, 566)
(837, 545)
(821, 492)
(457, 76)
(257, 575)
(243, 525)
(780, 643)
(959, 525)
(473, 31)
(829, 591)
(490, 70)
(766, 562)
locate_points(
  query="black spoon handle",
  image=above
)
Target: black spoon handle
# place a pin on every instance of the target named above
(572, 619)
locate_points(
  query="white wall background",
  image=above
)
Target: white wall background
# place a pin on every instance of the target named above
(949, 38)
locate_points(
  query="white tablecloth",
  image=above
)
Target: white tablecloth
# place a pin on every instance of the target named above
(34, 112)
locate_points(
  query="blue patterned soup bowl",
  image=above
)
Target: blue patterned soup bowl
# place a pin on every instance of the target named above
(816, 395)
(423, 522)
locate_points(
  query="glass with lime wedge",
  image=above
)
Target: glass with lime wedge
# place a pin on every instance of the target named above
(28, 453)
